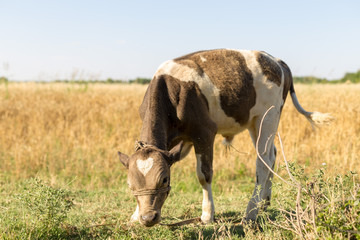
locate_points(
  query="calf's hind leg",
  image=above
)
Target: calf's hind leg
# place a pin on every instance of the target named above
(267, 151)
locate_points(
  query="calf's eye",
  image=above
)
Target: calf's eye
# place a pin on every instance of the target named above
(165, 180)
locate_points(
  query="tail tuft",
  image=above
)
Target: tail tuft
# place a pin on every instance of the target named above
(317, 119)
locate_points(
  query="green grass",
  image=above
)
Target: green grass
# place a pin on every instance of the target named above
(39, 209)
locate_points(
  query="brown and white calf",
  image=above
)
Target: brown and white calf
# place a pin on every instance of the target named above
(191, 99)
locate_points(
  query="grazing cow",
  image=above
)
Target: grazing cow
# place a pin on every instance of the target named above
(191, 99)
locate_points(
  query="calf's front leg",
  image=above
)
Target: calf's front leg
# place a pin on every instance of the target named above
(204, 170)
(208, 208)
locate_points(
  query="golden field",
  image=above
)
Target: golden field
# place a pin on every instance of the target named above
(73, 132)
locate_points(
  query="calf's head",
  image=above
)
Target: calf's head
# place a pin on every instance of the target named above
(149, 179)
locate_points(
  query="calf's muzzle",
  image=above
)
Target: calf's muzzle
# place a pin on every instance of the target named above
(151, 217)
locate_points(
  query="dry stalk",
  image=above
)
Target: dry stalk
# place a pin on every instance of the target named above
(281, 226)
(286, 162)
(267, 141)
(181, 223)
(313, 206)
(293, 223)
(230, 145)
(258, 154)
(287, 212)
(305, 211)
(298, 209)
(299, 228)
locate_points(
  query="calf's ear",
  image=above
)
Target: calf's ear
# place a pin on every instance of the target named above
(175, 153)
(124, 159)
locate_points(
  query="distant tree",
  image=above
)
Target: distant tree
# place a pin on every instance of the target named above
(140, 80)
(109, 80)
(351, 77)
(4, 80)
(310, 79)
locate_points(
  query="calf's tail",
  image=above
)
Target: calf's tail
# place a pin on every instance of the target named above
(315, 118)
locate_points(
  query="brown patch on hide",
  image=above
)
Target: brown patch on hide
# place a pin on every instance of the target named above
(228, 71)
(287, 78)
(269, 68)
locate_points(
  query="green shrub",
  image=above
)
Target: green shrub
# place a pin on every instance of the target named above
(3, 80)
(320, 207)
(351, 77)
(45, 208)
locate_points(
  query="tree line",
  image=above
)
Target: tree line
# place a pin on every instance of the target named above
(348, 78)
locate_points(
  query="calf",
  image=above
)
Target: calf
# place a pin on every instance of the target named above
(191, 99)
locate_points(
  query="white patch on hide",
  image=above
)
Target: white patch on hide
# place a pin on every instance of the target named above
(267, 93)
(144, 166)
(135, 216)
(184, 73)
(208, 208)
(207, 215)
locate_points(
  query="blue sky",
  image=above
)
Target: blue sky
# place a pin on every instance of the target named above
(47, 40)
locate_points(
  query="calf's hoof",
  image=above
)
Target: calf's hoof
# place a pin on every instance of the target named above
(207, 218)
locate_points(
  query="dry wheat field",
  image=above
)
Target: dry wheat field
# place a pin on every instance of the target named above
(75, 130)
(69, 134)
